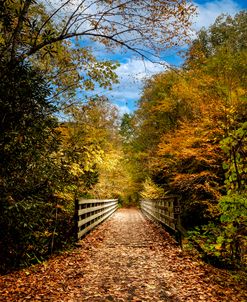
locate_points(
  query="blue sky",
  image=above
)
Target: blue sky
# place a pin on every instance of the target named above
(133, 71)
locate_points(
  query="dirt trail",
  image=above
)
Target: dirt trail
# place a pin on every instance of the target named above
(125, 259)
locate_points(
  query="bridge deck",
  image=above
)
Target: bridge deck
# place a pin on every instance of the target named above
(125, 259)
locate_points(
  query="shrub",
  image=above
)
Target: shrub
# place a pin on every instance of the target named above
(225, 241)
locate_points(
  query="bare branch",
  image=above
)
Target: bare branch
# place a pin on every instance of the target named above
(154, 24)
(40, 46)
(66, 26)
(49, 19)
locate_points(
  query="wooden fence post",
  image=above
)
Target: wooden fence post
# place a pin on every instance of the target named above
(177, 212)
(76, 219)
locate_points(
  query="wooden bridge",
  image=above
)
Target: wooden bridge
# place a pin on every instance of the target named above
(126, 258)
(91, 212)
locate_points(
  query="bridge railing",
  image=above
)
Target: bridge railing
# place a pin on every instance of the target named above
(165, 211)
(91, 212)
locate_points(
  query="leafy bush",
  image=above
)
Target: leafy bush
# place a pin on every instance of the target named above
(225, 241)
(30, 230)
(235, 148)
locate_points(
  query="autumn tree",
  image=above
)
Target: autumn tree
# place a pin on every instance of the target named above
(56, 39)
(87, 138)
(220, 55)
(191, 129)
(174, 131)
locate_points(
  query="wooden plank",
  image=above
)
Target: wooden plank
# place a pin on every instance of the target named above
(91, 209)
(163, 207)
(167, 217)
(153, 209)
(90, 227)
(169, 197)
(88, 219)
(86, 201)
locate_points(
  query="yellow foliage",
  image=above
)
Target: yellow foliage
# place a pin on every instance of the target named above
(191, 140)
(75, 169)
(151, 190)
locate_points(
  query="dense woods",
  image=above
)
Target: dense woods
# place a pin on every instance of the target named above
(191, 139)
(188, 136)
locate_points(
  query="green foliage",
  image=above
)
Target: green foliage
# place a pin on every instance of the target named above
(126, 128)
(31, 229)
(225, 241)
(235, 148)
(28, 131)
(30, 175)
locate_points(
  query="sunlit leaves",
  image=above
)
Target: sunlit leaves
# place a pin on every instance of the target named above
(151, 190)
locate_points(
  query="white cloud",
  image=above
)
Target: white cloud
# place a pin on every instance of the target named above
(122, 109)
(138, 69)
(209, 11)
(131, 76)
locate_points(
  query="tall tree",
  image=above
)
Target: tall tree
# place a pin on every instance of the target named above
(218, 58)
(88, 137)
(61, 36)
(184, 115)
(29, 175)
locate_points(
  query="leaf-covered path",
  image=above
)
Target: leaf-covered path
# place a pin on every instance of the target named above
(125, 259)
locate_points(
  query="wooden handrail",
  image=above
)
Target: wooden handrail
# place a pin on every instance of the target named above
(165, 211)
(91, 212)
